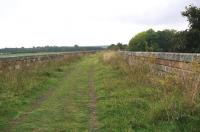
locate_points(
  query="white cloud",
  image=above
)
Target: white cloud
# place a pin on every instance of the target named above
(90, 22)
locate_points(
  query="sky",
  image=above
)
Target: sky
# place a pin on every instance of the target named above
(28, 23)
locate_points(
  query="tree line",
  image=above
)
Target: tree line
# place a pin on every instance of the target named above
(168, 40)
(50, 49)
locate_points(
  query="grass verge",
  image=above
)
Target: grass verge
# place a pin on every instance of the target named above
(128, 100)
(21, 88)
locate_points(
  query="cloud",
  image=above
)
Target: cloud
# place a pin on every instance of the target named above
(90, 22)
(161, 14)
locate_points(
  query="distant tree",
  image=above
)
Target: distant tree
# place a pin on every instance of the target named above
(138, 43)
(166, 40)
(49, 49)
(113, 47)
(145, 41)
(76, 46)
(118, 46)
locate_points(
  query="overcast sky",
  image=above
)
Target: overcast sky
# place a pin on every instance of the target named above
(85, 22)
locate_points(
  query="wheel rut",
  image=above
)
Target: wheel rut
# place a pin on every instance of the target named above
(93, 101)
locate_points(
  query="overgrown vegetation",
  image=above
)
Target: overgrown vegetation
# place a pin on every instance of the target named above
(134, 98)
(18, 88)
(66, 109)
(128, 98)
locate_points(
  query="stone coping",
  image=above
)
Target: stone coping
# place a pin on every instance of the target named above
(183, 57)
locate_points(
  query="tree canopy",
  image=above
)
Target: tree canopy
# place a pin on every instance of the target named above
(171, 40)
(118, 46)
(151, 40)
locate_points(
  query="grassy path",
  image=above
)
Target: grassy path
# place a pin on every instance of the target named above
(36, 104)
(91, 97)
(93, 101)
(67, 108)
(94, 96)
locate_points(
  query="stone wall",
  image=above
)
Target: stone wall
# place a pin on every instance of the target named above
(163, 62)
(16, 63)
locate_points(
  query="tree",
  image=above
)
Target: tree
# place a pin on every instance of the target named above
(76, 46)
(193, 15)
(118, 46)
(138, 43)
(171, 40)
(166, 40)
(191, 37)
(145, 41)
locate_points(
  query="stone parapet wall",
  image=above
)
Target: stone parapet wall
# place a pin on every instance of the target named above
(15, 63)
(180, 63)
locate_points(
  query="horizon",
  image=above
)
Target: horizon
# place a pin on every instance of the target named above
(55, 46)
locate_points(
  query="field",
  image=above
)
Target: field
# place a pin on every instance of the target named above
(98, 92)
(28, 54)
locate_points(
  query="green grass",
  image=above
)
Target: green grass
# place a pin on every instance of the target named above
(124, 107)
(66, 109)
(127, 101)
(20, 88)
(124, 102)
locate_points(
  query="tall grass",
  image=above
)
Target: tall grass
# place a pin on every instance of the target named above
(173, 99)
(19, 87)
